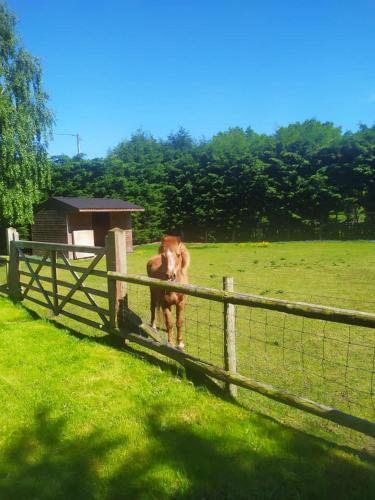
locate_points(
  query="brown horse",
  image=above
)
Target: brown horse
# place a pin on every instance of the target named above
(170, 264)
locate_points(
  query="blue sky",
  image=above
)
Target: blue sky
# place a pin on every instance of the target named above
(111, 67)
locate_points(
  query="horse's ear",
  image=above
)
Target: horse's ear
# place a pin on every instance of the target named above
(178, 238)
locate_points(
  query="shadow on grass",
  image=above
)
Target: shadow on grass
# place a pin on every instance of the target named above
(178, 461)
(39, 462)
(170, 366)
(293, 467)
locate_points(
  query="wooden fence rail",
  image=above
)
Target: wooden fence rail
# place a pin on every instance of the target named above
(326, 313)
(60, 247)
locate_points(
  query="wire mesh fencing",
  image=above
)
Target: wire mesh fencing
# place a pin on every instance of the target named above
(331, 363)
(329, 297)
(328, 362)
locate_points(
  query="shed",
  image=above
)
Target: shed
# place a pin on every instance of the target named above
(82, 221)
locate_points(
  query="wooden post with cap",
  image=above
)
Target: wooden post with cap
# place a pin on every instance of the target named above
(116, 261)
(14, 272)
(230, 358)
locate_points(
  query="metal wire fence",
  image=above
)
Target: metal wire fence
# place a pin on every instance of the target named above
(331, 363)
(329, 297)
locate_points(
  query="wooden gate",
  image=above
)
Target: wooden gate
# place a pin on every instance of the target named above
(39, 274)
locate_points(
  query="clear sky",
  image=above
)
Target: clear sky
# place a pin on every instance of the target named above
(113, 66)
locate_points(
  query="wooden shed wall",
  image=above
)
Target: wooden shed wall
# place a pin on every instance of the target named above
(55, 225)
(50, 226)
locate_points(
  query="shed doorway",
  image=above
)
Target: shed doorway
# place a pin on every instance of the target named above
(101, 226)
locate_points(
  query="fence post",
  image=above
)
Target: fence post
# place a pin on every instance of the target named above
(14, 272)
(115, 244)
(54, 282)
(11, 235)
(230, 359)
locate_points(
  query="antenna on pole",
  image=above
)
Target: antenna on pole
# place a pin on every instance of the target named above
(78, 144)
(78, 141)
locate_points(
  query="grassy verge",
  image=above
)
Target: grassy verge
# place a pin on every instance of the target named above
(83, 419)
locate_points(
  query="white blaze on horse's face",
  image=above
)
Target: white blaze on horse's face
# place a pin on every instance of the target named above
(171, 272)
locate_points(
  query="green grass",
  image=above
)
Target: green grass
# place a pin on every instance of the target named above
(330, 363)
(82, 418)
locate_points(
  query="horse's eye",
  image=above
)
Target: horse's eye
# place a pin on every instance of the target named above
(178, 254)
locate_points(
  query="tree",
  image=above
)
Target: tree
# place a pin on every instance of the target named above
(305, 180)
(25, 127)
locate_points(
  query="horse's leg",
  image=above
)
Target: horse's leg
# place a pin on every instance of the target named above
(180, 307)
(168, 323)
(153, 304)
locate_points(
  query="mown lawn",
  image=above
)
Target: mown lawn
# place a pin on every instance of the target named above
(330, 363)
(83, 418)
(339, 273)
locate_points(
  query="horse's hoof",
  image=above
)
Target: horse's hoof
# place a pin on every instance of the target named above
(170, 344)
(181, 346)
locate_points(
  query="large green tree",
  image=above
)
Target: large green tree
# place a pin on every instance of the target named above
(304, 181)
(25, 126)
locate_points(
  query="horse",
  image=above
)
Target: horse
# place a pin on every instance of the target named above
(170, 264)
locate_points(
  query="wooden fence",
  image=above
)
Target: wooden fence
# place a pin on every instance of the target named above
(118, 319)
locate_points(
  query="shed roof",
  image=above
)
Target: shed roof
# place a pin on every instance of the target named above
(97, 204)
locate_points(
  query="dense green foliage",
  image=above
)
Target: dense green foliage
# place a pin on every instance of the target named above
(305, 180)
(24, 128)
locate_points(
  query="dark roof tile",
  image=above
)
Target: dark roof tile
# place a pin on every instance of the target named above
(97, 203)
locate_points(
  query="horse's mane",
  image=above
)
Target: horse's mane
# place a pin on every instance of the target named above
(185, 258)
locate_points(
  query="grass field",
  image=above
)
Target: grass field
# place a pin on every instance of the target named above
(330, 363)
(82, 418)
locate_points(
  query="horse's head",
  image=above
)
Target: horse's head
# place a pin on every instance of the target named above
(171, 251)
